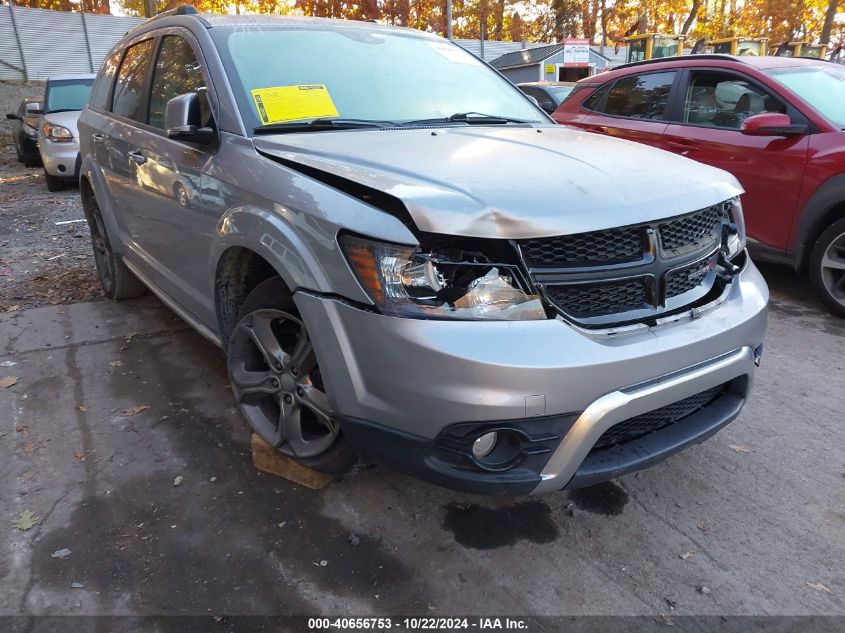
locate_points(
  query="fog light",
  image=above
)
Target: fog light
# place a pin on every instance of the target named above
(484, 445)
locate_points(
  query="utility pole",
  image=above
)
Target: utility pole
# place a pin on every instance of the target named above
(150, 8)
(449, 19)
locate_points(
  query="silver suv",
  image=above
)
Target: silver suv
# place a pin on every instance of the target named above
(406, 260)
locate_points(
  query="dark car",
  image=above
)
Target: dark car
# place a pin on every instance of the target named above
(25, 131)
(549, 94)
(776, 123)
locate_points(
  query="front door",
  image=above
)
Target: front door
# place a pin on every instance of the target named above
(770, 168)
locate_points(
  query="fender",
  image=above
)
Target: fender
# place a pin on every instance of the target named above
(266, 234)
(92, 171)
(811, 220)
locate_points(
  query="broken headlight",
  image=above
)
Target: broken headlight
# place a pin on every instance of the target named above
(451, 284)
(733, 233)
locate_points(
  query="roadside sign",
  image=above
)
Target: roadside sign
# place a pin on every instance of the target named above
(550, 69)
(576, 52)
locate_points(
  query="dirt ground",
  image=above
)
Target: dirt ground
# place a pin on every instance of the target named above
(41, 262)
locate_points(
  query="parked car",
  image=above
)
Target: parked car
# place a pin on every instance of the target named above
(549, 94)
(439, 279)
(776, 123)
(58, 139)
(25, 131)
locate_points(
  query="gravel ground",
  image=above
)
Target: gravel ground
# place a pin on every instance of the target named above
(41, 263)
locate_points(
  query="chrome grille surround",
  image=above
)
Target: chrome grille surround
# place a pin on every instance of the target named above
(600, 282)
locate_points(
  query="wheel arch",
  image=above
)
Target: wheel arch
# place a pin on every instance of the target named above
(826, 206)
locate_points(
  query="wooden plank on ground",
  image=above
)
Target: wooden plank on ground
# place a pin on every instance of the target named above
(269, 460)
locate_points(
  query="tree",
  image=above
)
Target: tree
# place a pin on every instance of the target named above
(830, 14)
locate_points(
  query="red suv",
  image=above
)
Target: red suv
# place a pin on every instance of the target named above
(776, 123)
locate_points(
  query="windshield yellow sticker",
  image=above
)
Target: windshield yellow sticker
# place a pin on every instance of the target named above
(293, 103)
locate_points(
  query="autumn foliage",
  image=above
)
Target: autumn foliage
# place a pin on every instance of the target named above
(603, 21)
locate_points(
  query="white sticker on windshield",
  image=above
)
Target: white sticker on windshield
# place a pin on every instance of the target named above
(452, 52)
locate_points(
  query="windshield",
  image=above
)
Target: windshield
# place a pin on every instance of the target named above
(822, 86)
(286, 75)
(559, 93)
(67, 94)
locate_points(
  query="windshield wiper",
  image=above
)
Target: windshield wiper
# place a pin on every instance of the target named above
(63, 110)
(470, 118)
(321, 125)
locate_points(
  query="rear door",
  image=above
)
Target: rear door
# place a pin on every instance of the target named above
(632, 107)
(706, 127)
(128, 112)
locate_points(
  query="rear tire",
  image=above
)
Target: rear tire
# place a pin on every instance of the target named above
(117, 280)
(827, 267)
(54, 183)
(277, 383)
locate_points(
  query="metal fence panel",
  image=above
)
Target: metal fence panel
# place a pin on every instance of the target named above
(11, 61)
(104, 31)
(37, 43)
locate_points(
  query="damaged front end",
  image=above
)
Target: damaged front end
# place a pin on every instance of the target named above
(441, 281)
(639, 274)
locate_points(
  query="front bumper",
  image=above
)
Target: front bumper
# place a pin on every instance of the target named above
(399, 385)
(60, 159)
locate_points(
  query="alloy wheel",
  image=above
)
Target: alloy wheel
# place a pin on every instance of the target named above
(833, 269)
(102, 249)
(277, 384)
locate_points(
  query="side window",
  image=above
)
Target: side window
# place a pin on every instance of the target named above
(725, 100)
(592, 102)
(640, 96)
(176, 72)
(128, 98)
(100, 93)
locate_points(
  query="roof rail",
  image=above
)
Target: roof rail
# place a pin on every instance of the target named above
(662, 60)
(185, 9)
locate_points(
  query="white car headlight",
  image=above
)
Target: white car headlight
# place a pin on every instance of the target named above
(57, 133)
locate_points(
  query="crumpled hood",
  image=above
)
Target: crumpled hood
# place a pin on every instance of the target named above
(509, 182)
(65, 119)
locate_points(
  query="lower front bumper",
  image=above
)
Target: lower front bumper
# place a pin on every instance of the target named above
(560, 447)
(401, 385)
(60, 159)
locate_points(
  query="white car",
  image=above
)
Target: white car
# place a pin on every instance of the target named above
(58, 139)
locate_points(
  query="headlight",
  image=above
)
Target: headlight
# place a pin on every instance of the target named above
(403, 281)
(57, 133)
(733, 238)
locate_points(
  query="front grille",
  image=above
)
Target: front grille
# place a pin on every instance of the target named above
(596, 248)
(655, 420)
(589, 299)
(684, 279)
(629, 274)
(690, 230)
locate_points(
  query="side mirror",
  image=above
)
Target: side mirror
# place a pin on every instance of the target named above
(183, 120)
(12, 116)
(771, 124)
(33, 109)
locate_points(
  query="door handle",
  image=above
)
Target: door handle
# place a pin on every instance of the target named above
(681, 147)
(137, 157)
(98, 138)
(599, 129)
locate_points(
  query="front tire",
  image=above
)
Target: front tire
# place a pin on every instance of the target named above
(117, 280)
(277, 383)
(54, 183)
(827, 267)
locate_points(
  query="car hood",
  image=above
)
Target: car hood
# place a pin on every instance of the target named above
(511, 182)
(65, 119)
